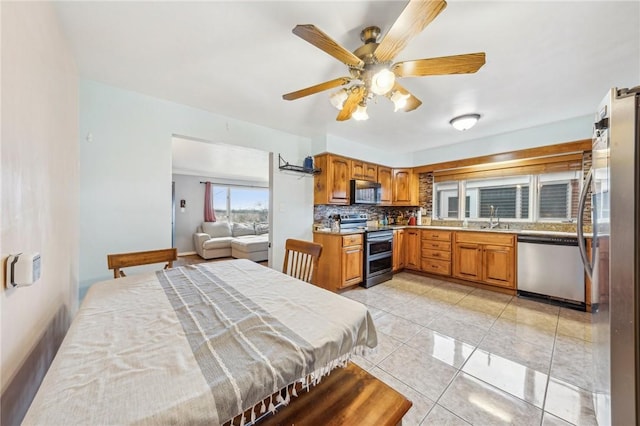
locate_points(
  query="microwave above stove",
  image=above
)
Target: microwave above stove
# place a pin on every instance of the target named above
(365, 192)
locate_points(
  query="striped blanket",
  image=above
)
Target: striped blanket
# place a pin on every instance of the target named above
(197, 344)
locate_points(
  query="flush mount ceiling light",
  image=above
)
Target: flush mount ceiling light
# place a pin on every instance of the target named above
(465, 122)
(371, 70)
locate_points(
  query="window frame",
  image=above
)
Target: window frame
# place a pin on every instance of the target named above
(534, 183)
(228, 188)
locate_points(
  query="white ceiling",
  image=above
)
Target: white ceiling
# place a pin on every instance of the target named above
(546, 61)
(224, 162)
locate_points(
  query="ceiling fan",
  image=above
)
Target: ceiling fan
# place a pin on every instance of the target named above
(370, 66)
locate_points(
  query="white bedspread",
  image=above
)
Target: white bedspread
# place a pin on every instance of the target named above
(197, 344)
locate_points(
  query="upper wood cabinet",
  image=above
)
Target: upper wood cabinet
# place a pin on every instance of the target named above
(405, 188)
(399, 187)
(332, 184)
(364, 171)
(385, 177)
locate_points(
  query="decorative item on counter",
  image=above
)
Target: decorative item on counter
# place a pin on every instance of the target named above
(465, 223)
(412, 220)
(335, 223)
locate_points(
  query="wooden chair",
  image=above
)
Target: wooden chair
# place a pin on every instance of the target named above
(123, 260)
(301, 259)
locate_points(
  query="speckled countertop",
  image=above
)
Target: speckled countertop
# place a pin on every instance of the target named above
(457, 228)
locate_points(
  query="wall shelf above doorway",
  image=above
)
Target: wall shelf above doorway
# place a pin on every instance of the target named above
(284, 165)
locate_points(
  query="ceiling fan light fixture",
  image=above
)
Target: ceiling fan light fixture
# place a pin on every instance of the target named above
(399, 100)
(360, 114)
(338, 98)
(382, 81)
(464, 122)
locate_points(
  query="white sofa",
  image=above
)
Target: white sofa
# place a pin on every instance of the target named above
(240, 240)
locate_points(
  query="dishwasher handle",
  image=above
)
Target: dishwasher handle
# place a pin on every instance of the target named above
(588, 267)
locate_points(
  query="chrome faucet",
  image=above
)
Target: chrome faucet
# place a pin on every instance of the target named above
(493, 214)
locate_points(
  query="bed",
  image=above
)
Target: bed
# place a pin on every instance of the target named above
(213, 343)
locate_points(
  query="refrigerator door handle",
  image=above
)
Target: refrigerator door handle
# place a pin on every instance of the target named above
(588, 267)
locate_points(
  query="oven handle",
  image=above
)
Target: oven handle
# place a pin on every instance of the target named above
(378, 239)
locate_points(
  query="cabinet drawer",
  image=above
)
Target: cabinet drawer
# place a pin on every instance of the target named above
(485, 238)
(351, 240)
(433, 266)
(435, 235)
(436, 254)
(436, 245)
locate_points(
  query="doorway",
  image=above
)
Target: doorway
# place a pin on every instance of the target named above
(240, 178)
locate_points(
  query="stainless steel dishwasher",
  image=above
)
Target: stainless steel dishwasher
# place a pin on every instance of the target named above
(550, 267)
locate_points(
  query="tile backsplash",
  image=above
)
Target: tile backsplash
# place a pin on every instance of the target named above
(322, 213)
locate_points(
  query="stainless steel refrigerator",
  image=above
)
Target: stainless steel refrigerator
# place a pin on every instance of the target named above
(614, 183)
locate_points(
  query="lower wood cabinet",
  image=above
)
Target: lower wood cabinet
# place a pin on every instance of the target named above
(341, 262)
(398, 250)
(485, 257)
(352, 261)
(435, 253)
(412, 249)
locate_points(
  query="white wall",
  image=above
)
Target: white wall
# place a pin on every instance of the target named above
(125, 173)
(39, 193)
(338, 145)
(549, 134)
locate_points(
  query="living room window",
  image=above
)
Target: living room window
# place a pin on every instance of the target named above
(241, 203)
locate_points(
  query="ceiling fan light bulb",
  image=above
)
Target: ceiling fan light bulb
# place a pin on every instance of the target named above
(399, 100)
(338, 98)
(382, 81)
(360, 114)
(465, 122)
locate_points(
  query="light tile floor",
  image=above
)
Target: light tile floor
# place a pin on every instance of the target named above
(470, 356)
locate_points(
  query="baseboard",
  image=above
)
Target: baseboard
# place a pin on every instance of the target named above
(187, 253)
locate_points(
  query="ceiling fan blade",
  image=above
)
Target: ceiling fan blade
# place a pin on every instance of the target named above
(458, 64)
(413, 19)
(412, 101)
(350, 105)
(315, 36)
(316, 89)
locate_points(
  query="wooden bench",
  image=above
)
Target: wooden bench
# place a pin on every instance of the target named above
(348, 396)
(124, 260)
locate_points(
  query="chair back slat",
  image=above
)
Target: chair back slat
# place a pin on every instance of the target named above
(123, 260)
(301, 259)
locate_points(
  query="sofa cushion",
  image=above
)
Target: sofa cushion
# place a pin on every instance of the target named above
(217, 243)
(250, 243)
(240, 229)
(216, 229)
(262, 228)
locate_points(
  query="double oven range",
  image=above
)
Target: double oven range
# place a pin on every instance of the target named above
(378, 249)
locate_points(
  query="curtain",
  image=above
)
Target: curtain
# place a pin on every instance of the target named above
(209, 212)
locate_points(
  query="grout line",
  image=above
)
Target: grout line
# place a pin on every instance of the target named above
(553, 350)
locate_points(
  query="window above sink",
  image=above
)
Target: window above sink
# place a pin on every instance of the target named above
(540, 197)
